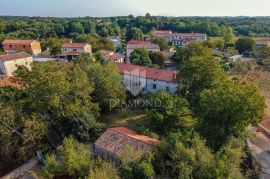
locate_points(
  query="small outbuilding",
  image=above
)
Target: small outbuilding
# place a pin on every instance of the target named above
(113, 142)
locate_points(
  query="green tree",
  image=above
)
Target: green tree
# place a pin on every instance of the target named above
(98, 43)
(245, 44)
(163, 44)
(77, 161)
(61, 92)
(135, 164)
(140, 56)
(21, 134)
(53, 44)
(172, 114)
(108, 87)
(200, 73)
(158, 58)
(226, 111)
(228, 37)
(191, 50)
(2, 27)
(76, 27)
(262, 53)
(134, 33)
(104, 170)
(177, 159)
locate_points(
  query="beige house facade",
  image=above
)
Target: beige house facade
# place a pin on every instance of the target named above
(10, 63)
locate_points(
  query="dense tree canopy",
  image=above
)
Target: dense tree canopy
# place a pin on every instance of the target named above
(134, 33)
(158, 58)
(77, 161)
(227, 110)
(140, 56)
(245, 44)
(200, 73)
(191, 50)
(172, 114)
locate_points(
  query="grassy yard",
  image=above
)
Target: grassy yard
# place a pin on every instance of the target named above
(124, 118)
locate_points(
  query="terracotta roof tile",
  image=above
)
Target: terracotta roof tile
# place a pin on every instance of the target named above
(14, 56)
(146, 46)
(9, 81)
(188, 34)
(18, 41)
(73, 45)
(152, 73)
(115, 140)
(134, 42)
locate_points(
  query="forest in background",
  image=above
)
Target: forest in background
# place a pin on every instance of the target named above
(44, 27)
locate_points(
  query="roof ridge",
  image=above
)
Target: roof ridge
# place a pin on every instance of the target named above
(135, 133)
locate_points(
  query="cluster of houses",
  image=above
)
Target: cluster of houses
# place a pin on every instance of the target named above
(25, 52)
(179, 39)
(136, 79)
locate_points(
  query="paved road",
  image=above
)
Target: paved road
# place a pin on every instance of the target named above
(260, 147)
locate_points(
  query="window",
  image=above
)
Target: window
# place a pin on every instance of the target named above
(16, 65)
(154, 86)
(10, 46)
(24, 46)
(74, 50)
(26, 63)
(65, 49)
(167, 88)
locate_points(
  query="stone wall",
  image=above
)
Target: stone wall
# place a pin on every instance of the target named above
(22, 170)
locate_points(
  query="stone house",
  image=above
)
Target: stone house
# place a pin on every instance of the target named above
(10, 62)
(69, 51)
(111, 144)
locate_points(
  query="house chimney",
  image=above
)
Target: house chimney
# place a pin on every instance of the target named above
(175, 76)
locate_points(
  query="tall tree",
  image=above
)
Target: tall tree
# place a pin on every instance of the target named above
(172, 113)
(245, 44)
(226, 111)
(200, 73)
(158, 58)
(108, 88)
(61, 92)
(140, 56)
(163, 44)
(191, 50)
(134, 33)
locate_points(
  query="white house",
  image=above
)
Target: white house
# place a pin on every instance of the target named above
(236, 58)
(10, 62)
(140, 79)
(179, 39)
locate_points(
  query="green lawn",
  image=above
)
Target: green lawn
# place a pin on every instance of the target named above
(124, 118)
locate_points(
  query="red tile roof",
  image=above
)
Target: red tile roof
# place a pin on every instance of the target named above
(73, 45)
(14, 56)
(115, 140)
(266, 124)
(135, 42)
(9, 81)
(143, 45)
(152, 73)
(162, 32)
(18, 41)
(188, 34)
(110, 55)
